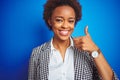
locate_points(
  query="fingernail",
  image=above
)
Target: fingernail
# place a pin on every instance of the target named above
(87, 26)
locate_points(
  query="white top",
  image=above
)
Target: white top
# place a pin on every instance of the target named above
(59, 70)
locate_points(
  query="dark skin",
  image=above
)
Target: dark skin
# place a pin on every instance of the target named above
(62, 22)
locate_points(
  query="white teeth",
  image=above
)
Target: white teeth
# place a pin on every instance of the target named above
(64, 32)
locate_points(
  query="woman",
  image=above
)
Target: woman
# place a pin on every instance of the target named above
(65, 58)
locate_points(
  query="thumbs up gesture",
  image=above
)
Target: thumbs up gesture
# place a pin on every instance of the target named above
(85, 42)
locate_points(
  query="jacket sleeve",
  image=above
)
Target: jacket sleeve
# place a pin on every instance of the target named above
(115, 76)
(32, 67)
(95, 71)
(97, 76)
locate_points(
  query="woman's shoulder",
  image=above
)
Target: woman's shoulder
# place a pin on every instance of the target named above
(43, 46)
(39, 49)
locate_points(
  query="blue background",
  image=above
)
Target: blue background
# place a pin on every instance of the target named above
(22, 28)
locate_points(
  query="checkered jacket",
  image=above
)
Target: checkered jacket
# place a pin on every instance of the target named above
(84, 67)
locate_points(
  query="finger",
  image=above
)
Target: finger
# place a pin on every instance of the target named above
(83, 40)
(79, 47)
(83, 48)
(86, 30)
(78, 43)
(77, 38)
(82, 44)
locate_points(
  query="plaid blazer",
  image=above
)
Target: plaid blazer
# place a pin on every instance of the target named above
(84, 67)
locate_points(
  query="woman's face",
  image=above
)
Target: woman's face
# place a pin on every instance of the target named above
(62, 22)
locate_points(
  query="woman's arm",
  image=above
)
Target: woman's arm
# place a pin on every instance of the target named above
(32, 67)
(86, 43)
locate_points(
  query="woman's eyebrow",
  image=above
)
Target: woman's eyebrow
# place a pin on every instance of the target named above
(63, 17)
(58, 17)
(72, 18)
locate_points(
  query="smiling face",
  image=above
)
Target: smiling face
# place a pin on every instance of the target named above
(62, 22)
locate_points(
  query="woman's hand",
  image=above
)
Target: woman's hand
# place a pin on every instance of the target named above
(85, 42)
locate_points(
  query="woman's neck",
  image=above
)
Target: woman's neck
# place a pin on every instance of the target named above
(61, 44)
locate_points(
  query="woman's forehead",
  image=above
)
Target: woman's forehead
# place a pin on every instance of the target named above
(63, 11)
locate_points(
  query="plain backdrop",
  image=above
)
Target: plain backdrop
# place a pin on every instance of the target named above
(22, 28)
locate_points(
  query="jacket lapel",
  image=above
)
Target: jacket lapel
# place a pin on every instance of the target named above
(78, 67)
(44, 65)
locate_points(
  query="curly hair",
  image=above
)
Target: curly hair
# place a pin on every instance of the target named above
(52, 4)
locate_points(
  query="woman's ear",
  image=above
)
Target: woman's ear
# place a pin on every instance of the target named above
(49, 22)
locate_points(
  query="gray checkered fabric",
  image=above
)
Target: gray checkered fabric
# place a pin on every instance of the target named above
(83, 64)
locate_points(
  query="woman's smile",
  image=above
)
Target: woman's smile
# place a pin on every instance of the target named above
(64, 32)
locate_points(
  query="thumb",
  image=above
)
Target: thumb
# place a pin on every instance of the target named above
(86, 30)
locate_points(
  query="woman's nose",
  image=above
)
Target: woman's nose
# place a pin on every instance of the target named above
(65, 24)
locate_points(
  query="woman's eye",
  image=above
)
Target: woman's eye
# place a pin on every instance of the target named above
(59, 20)
(71, 21)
